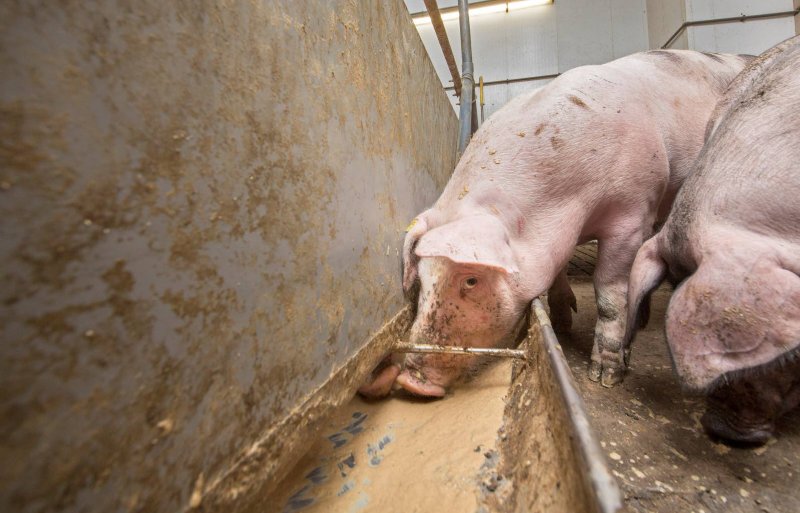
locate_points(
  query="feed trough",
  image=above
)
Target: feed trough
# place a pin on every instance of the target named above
(514, 437)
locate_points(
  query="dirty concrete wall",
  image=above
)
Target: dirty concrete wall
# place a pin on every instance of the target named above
(201, 206)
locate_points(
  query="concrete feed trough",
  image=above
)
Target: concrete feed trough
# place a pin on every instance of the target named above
(514, 437)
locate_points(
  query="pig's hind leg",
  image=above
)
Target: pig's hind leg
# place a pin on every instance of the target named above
(616, 253)
(562, 303)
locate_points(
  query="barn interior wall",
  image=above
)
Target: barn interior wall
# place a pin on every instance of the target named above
(663, 19)
(752, 37)
(550, 39)
(539, 40)
(203, 206)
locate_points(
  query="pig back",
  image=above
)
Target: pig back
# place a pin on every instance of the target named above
(570, 137)
(749, 172)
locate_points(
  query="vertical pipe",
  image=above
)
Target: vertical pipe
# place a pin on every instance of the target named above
(480, 88)
(467, 81)
(796, 5)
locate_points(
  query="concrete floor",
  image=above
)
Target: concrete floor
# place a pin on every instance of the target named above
(652, 436)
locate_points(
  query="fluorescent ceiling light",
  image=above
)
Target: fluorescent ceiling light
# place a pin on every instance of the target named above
(478, 9)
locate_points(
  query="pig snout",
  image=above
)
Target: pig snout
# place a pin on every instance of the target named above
(422, 375)
(734, 414)
(381, 380)
(430, 375)
(744, 410)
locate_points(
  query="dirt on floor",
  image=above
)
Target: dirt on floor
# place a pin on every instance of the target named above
(402, 453)
(653, 439)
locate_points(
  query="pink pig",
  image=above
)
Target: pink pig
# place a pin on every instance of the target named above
(599, 153)
(732, 246)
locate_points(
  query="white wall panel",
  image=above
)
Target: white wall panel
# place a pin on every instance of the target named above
(489, 46)
(532, 38)
(584, 32)
(663, 19)
(628, 27)
(752, 37)
(496, 96)
(539, 40)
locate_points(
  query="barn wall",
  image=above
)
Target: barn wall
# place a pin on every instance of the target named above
(752, 37)
(663, 19)
(549, 39)
(796, 5)
(202, 210)
(539, 40)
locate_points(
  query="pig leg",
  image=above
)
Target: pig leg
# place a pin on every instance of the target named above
(615, 258)
(561, 299)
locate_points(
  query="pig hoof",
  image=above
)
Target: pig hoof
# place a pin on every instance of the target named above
(419, 387)
(381, 384)
(595, 371)
(612, 377)
(718, 426)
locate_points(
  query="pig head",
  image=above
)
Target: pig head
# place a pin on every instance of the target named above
(464, 280)
(733, 327)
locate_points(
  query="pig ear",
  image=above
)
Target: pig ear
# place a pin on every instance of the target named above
(480, 240)
(647, 273)
(722, 321)
(415, 230)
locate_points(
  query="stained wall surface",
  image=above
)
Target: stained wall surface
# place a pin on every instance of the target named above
(201, 211)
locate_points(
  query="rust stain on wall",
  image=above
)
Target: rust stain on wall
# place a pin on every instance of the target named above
(202, 208)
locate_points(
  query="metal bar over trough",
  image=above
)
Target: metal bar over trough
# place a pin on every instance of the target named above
(606, 496)
(475, 351)
(547, 449)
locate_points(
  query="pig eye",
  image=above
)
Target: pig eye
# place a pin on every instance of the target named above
(470, 282)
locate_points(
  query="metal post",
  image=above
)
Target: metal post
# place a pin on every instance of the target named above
(467, 106)
(480, 88)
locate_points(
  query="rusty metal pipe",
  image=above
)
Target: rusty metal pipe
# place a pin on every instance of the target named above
(444, 43)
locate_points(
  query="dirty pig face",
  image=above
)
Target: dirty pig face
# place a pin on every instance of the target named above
(459, 305)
